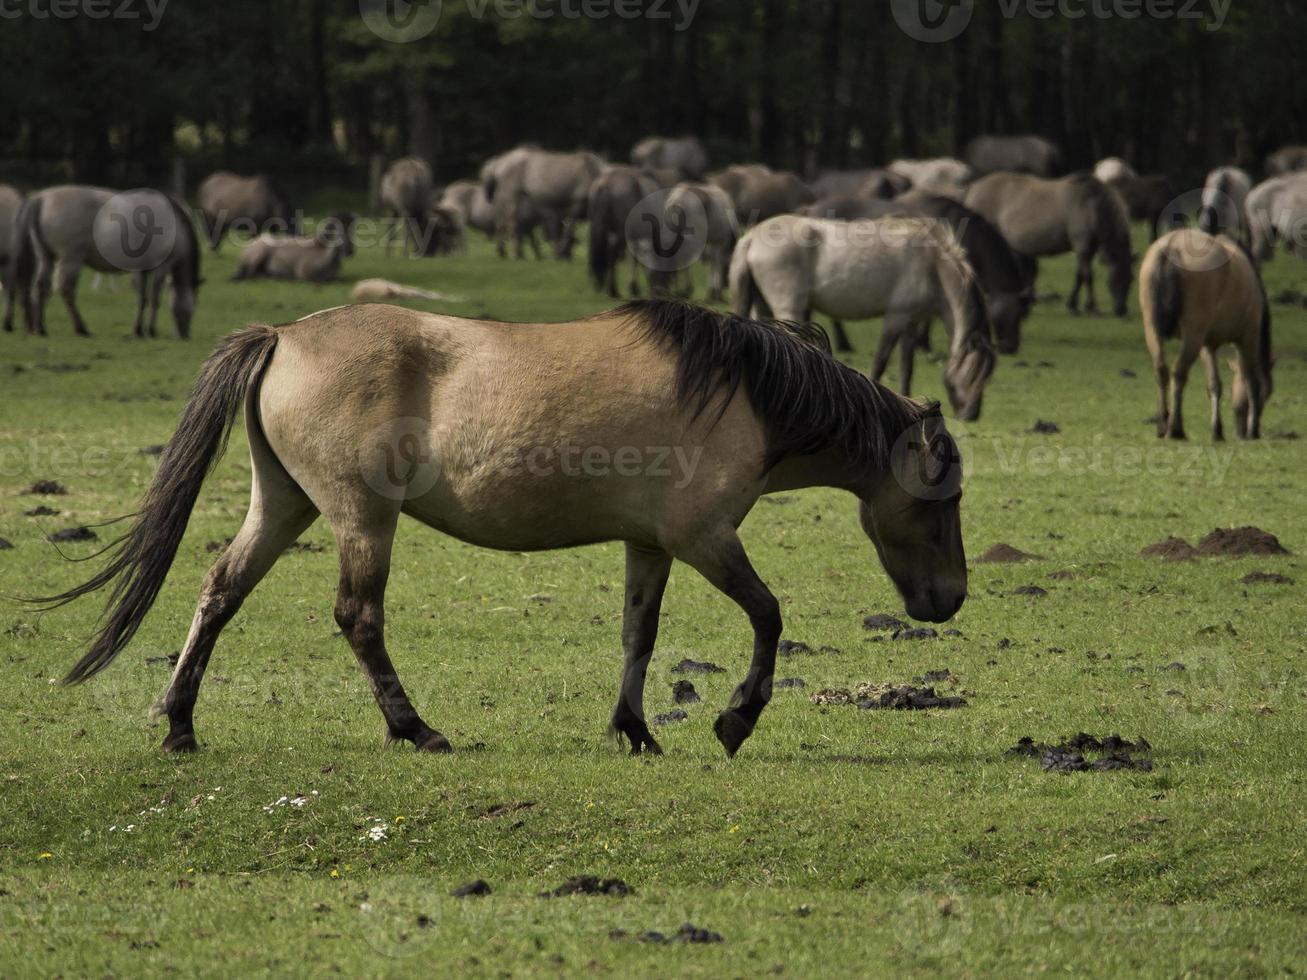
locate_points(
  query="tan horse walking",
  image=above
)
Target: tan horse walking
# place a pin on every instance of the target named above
(657, 424)
(1205, 291)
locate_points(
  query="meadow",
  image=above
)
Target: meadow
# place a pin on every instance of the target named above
(840, 842)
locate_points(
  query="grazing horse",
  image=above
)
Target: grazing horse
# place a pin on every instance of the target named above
(1042, 217)
(314, 258)
(554, 185)
(1145, 199)
(704, 212)
(1276, 211)
(623, 212)
(145, 232)
(1112, 168)
(1204, 290)
(685, 155)
(939, 174)
(1286, 160)
(760, 408)
(252, 204)
(1225, 193)
(905, 269)
(467, 199)
(1008, 292)
(1013, 154)
(407, 191)
(11, 202)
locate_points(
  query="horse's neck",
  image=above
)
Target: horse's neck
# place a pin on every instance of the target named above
(956, 310)
(828, 468)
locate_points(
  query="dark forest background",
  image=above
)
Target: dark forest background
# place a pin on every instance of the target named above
(303, 90)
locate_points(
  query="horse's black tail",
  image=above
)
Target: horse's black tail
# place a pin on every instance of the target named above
(600, 251)
(142, 557)
(1166, 297)
(23, 257)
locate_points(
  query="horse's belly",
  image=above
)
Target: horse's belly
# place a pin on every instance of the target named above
(857, 289)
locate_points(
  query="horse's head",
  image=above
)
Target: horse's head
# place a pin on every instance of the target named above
(911, 514)
(1006, 311)
(970, 366)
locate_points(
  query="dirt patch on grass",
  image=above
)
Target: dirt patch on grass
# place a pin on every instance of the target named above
(1232, 542)
(75, 534)
(688, 666)
(791, 682)
(688, 933)
(1111, 753)
(1044, 428)
(669, 718)
(473, 889)
(41, 511)
(49, 488)
(1031, 590)
(590, 885)
(683, 692)
(6, 545)
(883, 623)
(895, 697)
(1172, 549)
(1005, 553)
(1265, 578)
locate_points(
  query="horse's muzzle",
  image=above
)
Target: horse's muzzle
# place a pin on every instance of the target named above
(935, 605)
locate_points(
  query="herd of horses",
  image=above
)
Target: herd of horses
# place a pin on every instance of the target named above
(365, 413)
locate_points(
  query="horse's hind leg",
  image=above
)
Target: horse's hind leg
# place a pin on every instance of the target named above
(1214, 392)
(722, 561)
(364, 537)
(279, 512)
(646, 578)
(65, 281)
(842, 344)
(891, 332)
(1180, 375)
(907, 357)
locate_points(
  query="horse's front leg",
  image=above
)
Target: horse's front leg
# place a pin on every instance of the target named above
(65, 281)
(842, 344)
(1085, 274)
(141, 281)
(890, 332)
(1163, 375)
(722, 561)
(1179, 376)
(156, 292)
(646, 579)
(907, 357)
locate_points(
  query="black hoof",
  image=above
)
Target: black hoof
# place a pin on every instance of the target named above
(639, 739)
(432, 741)
(731, 731)
(180, 742)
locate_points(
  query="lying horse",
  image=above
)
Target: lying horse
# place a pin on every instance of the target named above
(1205, 291)
(313, 258)
(229, 201)
(145, 232)
(329, 400)
(1077, 214)
(905, 269)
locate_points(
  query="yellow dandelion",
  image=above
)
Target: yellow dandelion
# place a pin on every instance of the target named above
(335, 873)
(44, 855)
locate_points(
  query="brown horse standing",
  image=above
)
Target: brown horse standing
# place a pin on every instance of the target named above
(1205, 291)
(367, 412)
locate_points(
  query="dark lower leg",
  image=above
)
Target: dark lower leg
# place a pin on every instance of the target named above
(1163, 376)
(361, 617)
(646, 578)
(1214, 394)
(1179, 375)
(907, 354)
(841, 337)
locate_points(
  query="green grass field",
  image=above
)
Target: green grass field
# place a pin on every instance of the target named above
(839, 842)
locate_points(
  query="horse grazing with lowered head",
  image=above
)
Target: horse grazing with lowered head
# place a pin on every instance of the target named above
(702, 212)
(555, 186)
(407, 191)
(145, 232)
(1077, 214)
(331, 399)
(230, 202)
(904, 269)
(1204, 291)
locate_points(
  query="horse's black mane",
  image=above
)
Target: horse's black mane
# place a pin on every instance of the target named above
(806, 398)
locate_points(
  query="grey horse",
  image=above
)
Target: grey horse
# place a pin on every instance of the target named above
(307, 258)
(554, 185)
(145, 232)
(1286, 160)
(255, 204)
(868, 182)
(758, 192)
(1077, 214)
(1013, 154)
(407, 191)
(11, 202)
(683, 154)
(618, 228)
(1225, 193)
